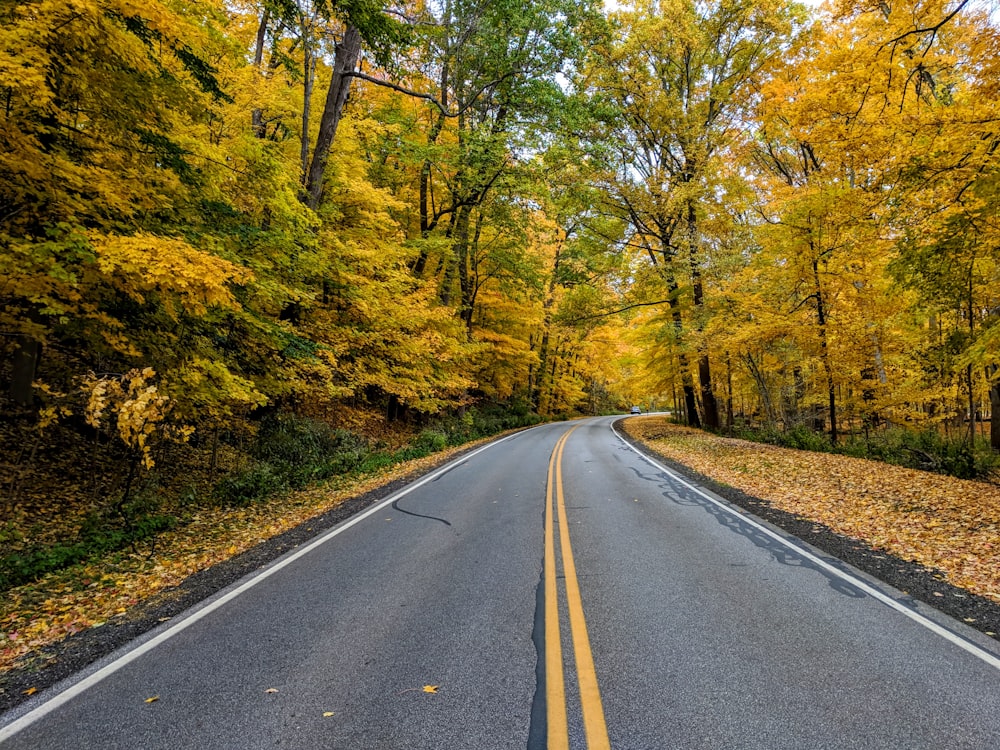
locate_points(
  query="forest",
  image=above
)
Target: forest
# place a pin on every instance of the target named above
(252, 243)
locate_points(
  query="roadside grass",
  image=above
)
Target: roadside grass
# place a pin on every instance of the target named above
(941, 522)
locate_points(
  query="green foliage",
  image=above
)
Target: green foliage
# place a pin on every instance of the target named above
(483, 420)
(928, 450)
(246, 486)
(799, 437)
(291, 452)
(290, 439)
(430, 441)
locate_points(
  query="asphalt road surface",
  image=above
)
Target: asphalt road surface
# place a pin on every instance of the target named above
(552, 590)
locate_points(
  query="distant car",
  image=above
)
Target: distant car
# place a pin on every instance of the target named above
(635, 410)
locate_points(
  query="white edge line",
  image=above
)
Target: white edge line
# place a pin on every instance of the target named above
(88, 682)
(873, 592)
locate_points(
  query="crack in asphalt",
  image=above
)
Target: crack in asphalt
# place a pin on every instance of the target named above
(538, 723)
(395, 506)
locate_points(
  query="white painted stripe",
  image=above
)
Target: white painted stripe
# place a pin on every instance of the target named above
(920, 619)
(88, 682)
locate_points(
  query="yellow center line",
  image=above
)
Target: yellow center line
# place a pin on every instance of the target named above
(595, 727)
(555, 689)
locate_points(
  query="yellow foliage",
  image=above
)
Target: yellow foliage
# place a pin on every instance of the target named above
(134, 407)
(180, 275)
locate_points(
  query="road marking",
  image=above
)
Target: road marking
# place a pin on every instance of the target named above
(64, 696)
(962, 643)
(555, 688)
(594, 725)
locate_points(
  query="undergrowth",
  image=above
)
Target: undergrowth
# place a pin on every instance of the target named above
(926, 450)
(98, 535)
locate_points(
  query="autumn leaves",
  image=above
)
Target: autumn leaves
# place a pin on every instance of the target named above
(813, 205)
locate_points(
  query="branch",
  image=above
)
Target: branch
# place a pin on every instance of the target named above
(402, 90)
(620, 310)
(933, 30)
(429, 97)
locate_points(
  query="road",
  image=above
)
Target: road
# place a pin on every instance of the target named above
(637, 612)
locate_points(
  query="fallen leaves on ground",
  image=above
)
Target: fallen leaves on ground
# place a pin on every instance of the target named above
(941, 522)
(431, 688)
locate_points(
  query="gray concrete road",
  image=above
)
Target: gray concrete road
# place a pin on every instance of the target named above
(440, 618)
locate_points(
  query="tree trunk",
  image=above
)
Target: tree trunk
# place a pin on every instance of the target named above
(471, 282)
(762, 389)
(995, 415)
(543, 348)
(457, 265)
(970, 382)
(308, 82)
(708, 400)
(257, 118)
(709, 403)
(687, 382)
(543, 356)
(27, 353)
(427, 221)
(825, 353)
(345, 61)
(730, 419)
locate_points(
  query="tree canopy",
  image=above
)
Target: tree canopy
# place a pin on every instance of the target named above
(745, 210)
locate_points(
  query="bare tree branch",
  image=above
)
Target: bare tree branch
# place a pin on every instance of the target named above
(430, 97)
(619, 310)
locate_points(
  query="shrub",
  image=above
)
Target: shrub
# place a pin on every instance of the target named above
(251, 484)
(430, 441)
(292, 451)
(287, 440)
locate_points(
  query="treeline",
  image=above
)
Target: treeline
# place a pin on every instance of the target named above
(761, 215)
(213, 211)
(812, 211)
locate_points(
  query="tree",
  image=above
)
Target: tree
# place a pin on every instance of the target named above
(680, 78)
(73, 125)
(865, 140)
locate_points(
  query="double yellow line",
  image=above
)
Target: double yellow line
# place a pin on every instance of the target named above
(594, 726)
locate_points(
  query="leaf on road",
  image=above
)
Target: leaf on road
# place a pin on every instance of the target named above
(271, 690)
(328, 713)
(31, 691)
(431, 688)
(152, 700)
